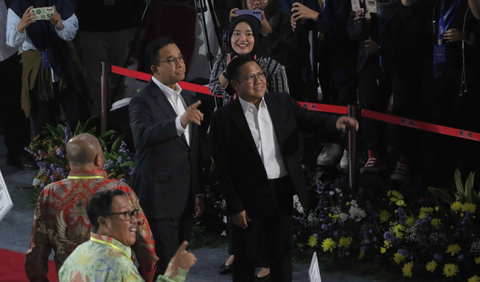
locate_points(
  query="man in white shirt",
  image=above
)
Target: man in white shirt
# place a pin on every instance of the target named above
(257, 157)
(52, 74)
(164, 121)
(15, 125)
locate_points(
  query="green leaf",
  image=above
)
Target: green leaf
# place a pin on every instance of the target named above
(441, 194)
(110, 156)
(86, 123)
(106, 134)
(116, 145)
(458, 183)
(129, 163)
(61, 129)
(469, 188)
(79, 129)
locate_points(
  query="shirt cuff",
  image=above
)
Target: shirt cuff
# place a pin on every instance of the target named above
(178, 125)
(175, 273)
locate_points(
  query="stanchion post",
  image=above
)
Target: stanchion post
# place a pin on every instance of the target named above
(352, 147)
(105, 81)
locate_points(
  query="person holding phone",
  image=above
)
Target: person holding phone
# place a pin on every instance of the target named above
(244, 37)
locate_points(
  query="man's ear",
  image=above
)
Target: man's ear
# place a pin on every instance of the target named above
(234, 83)
(153, 68)
(102, 221)
(97, 161)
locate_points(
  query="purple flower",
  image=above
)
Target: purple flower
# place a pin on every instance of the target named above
(41, 185)
(294, 237)
(403, 252)
(461, 257)
(324, 226)
(315, 235)
(123, 180)
(437, 257)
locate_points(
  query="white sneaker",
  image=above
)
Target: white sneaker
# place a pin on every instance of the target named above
(344, 161)
(329, 155)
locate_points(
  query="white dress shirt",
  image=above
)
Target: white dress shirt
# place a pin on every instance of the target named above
(176, 100)
(261, 127)
(5, 50)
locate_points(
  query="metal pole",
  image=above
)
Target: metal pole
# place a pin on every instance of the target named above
(104, 94)
(352, 147)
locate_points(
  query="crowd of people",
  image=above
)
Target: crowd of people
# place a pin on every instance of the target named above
(415, 59)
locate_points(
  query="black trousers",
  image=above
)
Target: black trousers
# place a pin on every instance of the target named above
(169, 234)
(278, 228)
(15, 124)
(374, 90)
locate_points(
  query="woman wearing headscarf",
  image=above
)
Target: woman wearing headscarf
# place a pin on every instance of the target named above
(244, 37)
(52, 74)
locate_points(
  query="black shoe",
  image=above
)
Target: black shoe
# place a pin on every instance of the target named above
(265, 278)
(225, 269)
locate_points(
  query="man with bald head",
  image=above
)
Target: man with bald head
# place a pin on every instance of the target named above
(61, 222)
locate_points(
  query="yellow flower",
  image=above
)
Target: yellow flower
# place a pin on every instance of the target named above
(468, 207)
(386, 244)
(345, 242)
(401, 203)
(477, 260)
(383, 250)
(384, 216)
(435, 222)
(328, 245)
(474, 278)
(348, 203)
(397, 229)
(407, 269)
(453, 249)
(450, 269)
(312, 241)
(398, 258)
(437, 208)
(456, 206)
(361, 255)
(335, 216)
(424, 210)
(410, 221)
(431, 266)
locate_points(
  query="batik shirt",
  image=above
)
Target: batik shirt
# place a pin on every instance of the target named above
(61, 223)
(103, 258)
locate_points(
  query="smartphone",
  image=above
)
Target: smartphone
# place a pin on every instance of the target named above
(256, 13)
(44, 13)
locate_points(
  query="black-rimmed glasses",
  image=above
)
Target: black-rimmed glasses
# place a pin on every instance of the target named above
(127, 215)
(252, 77)
(174, 61)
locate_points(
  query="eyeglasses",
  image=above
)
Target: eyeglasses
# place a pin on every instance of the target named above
(174, 61)
(259, 1)
(127, 215)
(253, 77)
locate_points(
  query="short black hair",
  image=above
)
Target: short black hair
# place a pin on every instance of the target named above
(235, 64)
(101, 205)
(151, 52)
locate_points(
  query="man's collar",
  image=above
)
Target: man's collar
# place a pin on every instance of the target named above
(88, 173)
(246, 105)
(111, 241)
(167, 90)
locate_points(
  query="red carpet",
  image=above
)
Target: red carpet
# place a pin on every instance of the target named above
(11, 267)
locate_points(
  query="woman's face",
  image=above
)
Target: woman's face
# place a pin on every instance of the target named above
(242, 40)
(257, 4)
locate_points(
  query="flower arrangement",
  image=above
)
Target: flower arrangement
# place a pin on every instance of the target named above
(49, 152)
(440, 240)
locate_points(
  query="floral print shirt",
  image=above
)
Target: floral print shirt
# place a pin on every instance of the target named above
(61, 223)
(103, 258)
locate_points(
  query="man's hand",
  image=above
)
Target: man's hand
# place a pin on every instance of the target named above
(183, 258)
(345, 122)
(240, 219)
(267, 28)
(232, 14)
(192, 114)
(56, 19)
(371, 47)
(453, 35)
(27, 19)
(300, 11)
(199, 206)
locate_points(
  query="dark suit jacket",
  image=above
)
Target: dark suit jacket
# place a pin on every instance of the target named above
(166, 168)
(242, 175)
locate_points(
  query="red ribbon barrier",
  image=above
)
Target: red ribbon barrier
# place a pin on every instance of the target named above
(425, 126)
